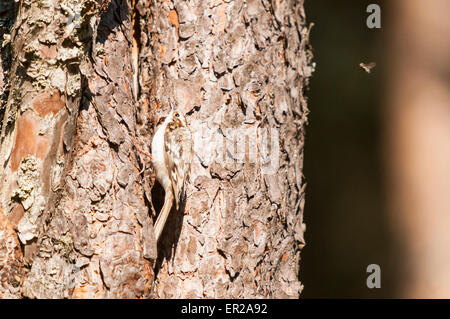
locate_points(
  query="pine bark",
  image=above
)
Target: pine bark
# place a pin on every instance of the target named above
(78, 195)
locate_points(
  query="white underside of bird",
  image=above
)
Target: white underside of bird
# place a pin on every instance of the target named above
(171, 158)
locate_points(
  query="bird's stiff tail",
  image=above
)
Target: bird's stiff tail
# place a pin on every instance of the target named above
(162, 217)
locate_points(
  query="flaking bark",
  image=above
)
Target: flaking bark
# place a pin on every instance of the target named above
(235, 68)
(77, 196)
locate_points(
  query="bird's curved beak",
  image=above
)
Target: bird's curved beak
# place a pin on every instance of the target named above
(172, 106)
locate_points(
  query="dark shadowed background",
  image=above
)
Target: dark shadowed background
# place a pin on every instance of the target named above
(377, 157)
(345, 211)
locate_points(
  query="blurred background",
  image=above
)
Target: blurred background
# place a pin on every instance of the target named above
(377, 156)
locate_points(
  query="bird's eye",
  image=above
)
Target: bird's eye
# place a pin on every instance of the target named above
(177, 115)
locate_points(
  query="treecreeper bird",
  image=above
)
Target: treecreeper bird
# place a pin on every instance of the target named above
(171, 157)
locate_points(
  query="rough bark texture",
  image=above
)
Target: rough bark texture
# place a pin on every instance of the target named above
(236, 68)
(76, 193)
(37, 131)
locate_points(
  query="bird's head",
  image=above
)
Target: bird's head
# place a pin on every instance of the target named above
(175, 119)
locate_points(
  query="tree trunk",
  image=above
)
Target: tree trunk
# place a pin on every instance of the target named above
(83, 85)
(418, 145)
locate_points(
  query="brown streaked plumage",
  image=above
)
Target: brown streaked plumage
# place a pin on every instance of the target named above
(171, 156)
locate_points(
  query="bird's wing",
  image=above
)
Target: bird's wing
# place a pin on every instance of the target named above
(179, 157)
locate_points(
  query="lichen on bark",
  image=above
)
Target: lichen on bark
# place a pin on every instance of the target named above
(77, 178)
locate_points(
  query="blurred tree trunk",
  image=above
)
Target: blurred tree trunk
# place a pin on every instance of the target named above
(419, 145)
(77, 195)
